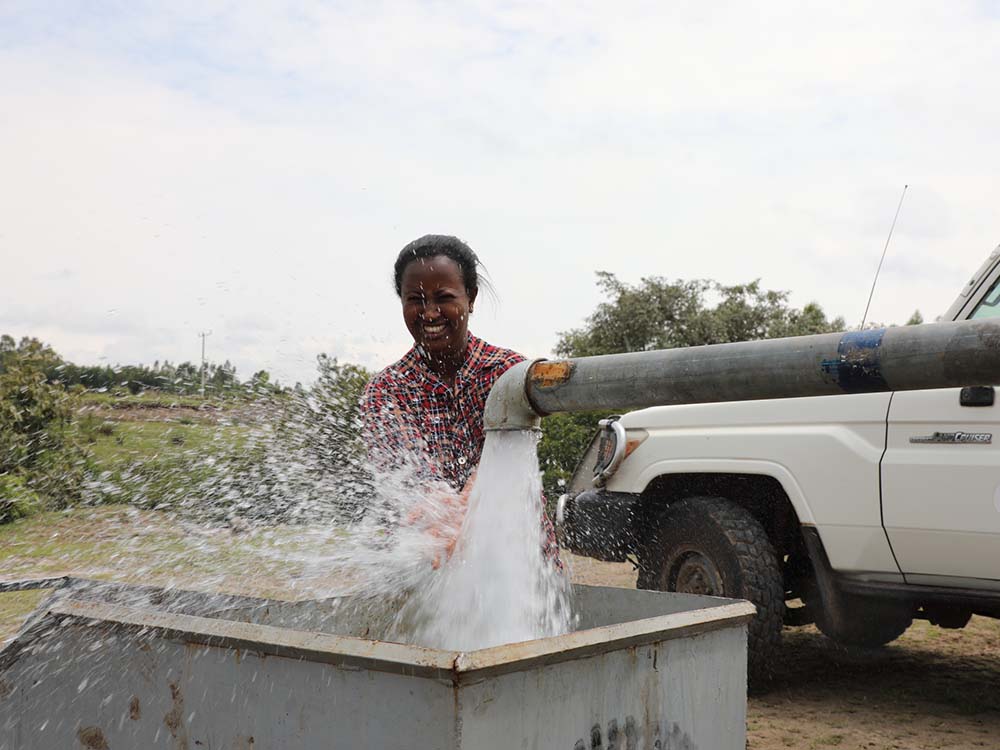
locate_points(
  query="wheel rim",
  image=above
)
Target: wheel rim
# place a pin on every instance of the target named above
(694, 573)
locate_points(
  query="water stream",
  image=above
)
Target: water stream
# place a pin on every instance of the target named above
(497, 587)
(396, 564)
(294, 511)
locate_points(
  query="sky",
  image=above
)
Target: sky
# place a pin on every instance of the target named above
(252, 169)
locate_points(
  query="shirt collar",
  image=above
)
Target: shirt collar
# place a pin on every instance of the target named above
(473, 350)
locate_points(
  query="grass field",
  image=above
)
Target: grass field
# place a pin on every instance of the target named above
(144, 546)
(151, 400)
(146, 455)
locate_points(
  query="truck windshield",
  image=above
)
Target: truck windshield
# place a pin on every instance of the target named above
(989, 306)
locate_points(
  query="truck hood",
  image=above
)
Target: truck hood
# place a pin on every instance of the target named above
(863, 407)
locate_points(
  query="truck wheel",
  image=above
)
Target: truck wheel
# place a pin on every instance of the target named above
(712, 546)
(863, 621)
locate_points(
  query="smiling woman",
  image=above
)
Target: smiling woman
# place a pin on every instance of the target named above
(438, 281)
(428, 406)
(426, 410)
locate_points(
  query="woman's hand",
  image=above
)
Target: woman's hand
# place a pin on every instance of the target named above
(442, 517)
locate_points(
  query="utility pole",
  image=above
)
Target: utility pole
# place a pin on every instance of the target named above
(204, 335)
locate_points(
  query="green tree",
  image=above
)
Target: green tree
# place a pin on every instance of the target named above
(222, 378)
(661, 314)
(29, 352)
(340, 386)
(306, 456)
(40, 466)
(261, 384)
(564, 439)
(915, 319)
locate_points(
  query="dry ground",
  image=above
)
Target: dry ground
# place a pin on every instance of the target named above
(932, 688)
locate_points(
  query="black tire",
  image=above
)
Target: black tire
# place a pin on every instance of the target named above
(712, 546)
(862, 621)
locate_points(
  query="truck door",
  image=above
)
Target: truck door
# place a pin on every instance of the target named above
(941, 480)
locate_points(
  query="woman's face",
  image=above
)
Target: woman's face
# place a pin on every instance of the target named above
(436, 305)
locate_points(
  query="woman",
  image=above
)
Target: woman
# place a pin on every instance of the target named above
(426, 410)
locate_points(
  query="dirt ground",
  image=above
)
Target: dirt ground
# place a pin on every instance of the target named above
(932, 688)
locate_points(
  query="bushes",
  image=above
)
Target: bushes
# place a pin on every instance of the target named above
(40, 464)
(564, 439)
(305, 461)
(17, 499)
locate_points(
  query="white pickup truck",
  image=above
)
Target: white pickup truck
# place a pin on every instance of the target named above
(869, 509)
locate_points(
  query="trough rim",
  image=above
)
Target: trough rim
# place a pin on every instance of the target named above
(456, 667)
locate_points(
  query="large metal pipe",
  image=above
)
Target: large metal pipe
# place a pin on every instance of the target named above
(936, 355)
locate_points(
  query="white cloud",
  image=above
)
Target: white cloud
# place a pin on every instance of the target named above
(252, 168)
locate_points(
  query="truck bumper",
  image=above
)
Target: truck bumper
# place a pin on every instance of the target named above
(599, 524)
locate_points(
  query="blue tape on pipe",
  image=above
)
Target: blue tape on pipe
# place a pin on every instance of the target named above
(858, 368)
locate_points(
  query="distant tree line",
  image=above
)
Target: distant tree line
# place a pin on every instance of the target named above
(182, 379)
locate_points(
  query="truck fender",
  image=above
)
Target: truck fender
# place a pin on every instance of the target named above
(729, 466)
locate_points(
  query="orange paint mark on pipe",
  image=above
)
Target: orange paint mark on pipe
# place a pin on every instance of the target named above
(549, 374)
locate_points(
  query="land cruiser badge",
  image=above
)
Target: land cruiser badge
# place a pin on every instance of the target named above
(979, 438)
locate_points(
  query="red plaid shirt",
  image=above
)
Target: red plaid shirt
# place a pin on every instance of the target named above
(410, 413)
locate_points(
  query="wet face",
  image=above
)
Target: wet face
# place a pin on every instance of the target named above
(436, 306)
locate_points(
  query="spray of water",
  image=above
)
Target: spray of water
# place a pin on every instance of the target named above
(397, 563)
(291, 508)
(497, 587)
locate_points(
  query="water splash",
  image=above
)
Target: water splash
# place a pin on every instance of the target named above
(497, 587)
(280, 501)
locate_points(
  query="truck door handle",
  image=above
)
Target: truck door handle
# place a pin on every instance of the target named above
(977, 395)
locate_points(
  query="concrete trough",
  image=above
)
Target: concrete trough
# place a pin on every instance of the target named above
(107, 666)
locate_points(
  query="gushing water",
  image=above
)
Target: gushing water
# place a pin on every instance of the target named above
(297, 512)
(497, 587)
(493, 586)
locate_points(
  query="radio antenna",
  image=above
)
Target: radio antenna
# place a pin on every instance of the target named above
(886, 248)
